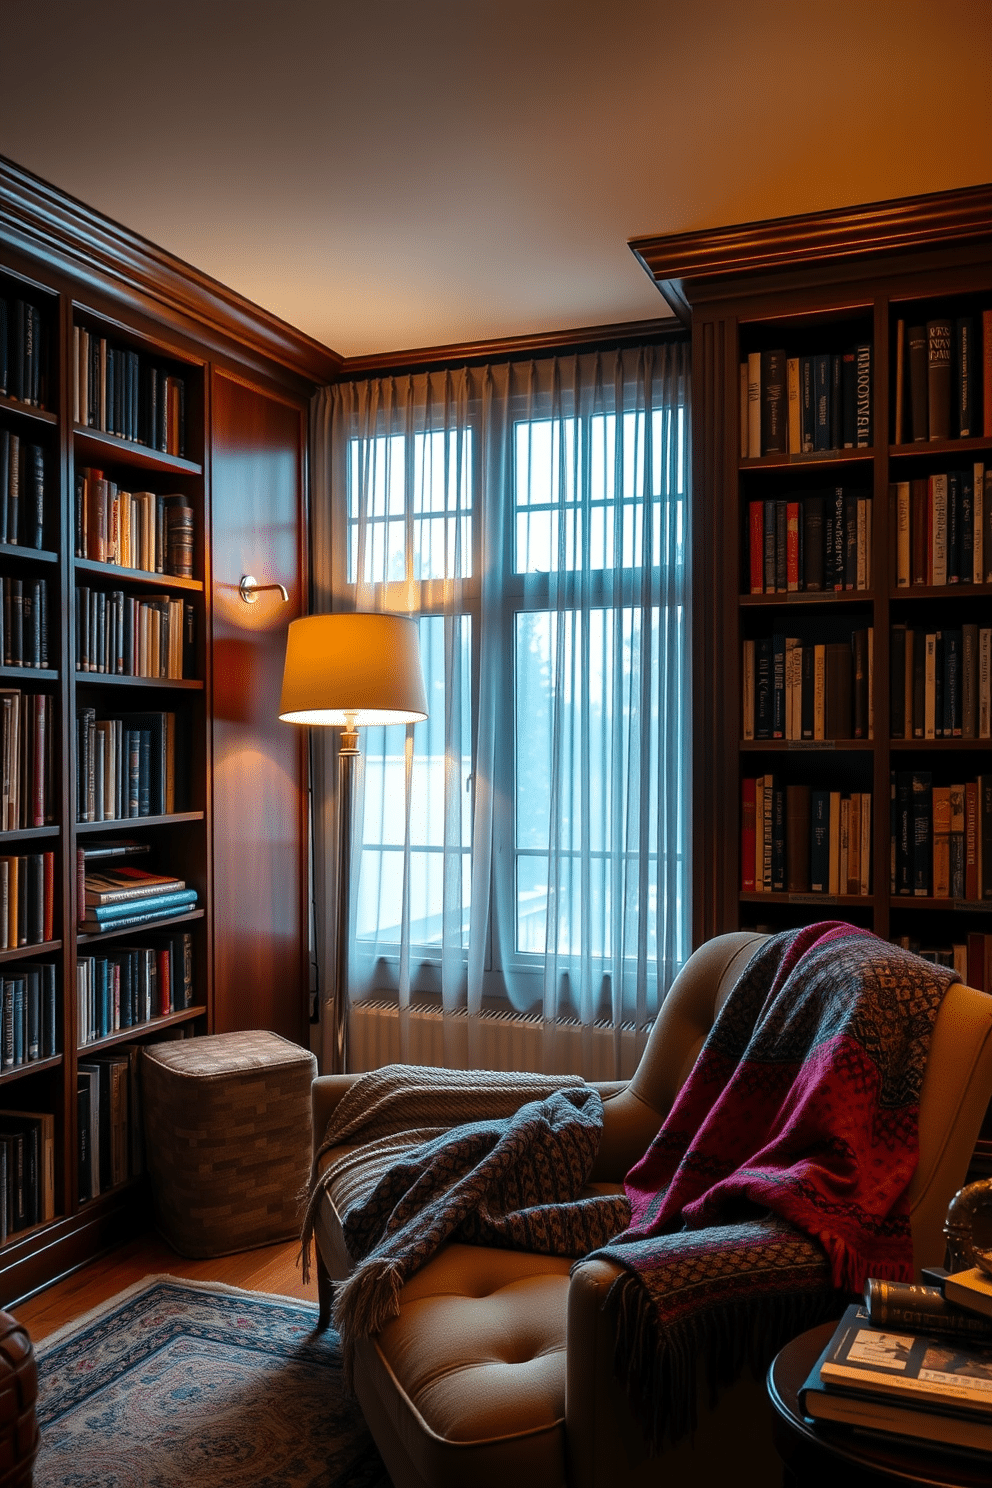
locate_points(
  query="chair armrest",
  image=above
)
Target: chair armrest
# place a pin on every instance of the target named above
(325, 1094)
(604, 1444)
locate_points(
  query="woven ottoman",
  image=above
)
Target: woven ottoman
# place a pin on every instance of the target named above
(227, 1138)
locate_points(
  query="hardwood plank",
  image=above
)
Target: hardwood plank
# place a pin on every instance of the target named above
(270, 1269)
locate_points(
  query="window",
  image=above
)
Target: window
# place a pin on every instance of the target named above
(530, 826)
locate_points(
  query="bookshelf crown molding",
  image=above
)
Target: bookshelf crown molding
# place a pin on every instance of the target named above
(38, 219)
(693, 266)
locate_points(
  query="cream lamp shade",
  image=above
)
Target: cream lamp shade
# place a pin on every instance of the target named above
(353, 671)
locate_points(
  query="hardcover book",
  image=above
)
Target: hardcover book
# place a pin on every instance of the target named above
(916, 1368)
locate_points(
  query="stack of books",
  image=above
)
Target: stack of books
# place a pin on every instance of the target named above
(117, 897)
(912, 1362)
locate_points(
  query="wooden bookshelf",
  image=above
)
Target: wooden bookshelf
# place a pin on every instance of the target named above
(239, 826)
(803, 283)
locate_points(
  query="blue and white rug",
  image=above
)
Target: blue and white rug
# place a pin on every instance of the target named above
(181, 1384)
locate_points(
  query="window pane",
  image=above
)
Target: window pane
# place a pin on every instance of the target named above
(566, 479)
(439, 777)
(586, 773)
(410, 507)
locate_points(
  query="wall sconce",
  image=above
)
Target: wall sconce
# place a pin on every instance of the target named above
(250, 589)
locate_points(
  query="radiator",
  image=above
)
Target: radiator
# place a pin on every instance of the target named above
(510, 1041)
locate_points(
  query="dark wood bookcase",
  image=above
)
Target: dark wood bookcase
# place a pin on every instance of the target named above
(237, 828)
(823, 280)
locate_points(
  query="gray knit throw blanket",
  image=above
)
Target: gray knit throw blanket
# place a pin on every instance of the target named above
(509, 1172)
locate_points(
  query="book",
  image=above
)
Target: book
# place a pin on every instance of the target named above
(136, 911)
(821, 401)
(774, 403)
(923, 1309)
(794, 419)
(916, 342)
(863, 360)
(126, 885)
(754, 404)
(971, 1288)
(939, 336)
(884, 1415)
(915, 1368)
(797, 829)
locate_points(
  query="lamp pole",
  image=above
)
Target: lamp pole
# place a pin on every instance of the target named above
(348, 756)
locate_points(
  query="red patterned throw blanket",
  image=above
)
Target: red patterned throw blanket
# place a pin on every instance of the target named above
(779, 1178)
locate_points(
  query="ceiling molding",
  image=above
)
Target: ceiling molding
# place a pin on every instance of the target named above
(511, 348)
(711, 257)
(56, 229)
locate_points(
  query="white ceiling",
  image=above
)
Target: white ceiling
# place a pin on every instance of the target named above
(387, 174)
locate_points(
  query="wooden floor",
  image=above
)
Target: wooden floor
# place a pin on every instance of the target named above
(272, 1269)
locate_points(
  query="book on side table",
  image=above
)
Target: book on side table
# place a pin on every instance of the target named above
(931, 1384)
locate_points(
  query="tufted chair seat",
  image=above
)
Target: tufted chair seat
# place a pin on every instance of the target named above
(498, 1370)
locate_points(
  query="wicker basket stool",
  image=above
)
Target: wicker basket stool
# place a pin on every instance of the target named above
(227, 1137)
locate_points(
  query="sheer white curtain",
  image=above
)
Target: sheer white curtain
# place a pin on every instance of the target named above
(527, 846)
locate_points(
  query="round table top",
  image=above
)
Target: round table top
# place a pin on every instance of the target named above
(810, 1448)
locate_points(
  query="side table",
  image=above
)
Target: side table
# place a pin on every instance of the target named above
(823, 1454)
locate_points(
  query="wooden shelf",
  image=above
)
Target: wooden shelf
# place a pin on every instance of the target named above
(114, 572)
(130, 824)
(807, 746)
(28, 952)
(829, 597)
(139, 1030)
(832, 458)
(29, 1067)
(941, 447)
(92, 444)
(28, 411)
(113, 679)
(136, 931)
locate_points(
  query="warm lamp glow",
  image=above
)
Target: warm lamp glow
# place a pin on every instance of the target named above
(353, 670)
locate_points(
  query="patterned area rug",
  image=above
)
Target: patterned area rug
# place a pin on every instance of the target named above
(180, 1384)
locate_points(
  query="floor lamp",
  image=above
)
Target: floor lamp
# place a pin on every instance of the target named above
(350, 671)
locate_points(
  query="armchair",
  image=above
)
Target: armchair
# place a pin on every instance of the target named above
(499, 1366)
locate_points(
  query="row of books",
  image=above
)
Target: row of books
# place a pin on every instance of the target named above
(795, 691)
(28, 1020)
(124, 392)
(912, 1363)
(27, 899)
(124, 636)
(125, 766)
(22, 491)
(27, 1170)
(27, 727)
(941, 837)
(810, 542)
(800, 840)
(944, 528)
(110, 1143)
(938, 378)
(130, 985)
(939, 682)
(806, 404)
(132, 529)
(23, 364)
(23, 621)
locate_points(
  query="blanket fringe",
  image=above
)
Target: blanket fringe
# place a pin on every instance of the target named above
(659, 1371)
(365, 1303)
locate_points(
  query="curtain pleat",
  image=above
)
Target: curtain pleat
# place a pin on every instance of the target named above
(527, 846)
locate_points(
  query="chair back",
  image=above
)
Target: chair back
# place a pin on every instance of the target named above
(957, 1083)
